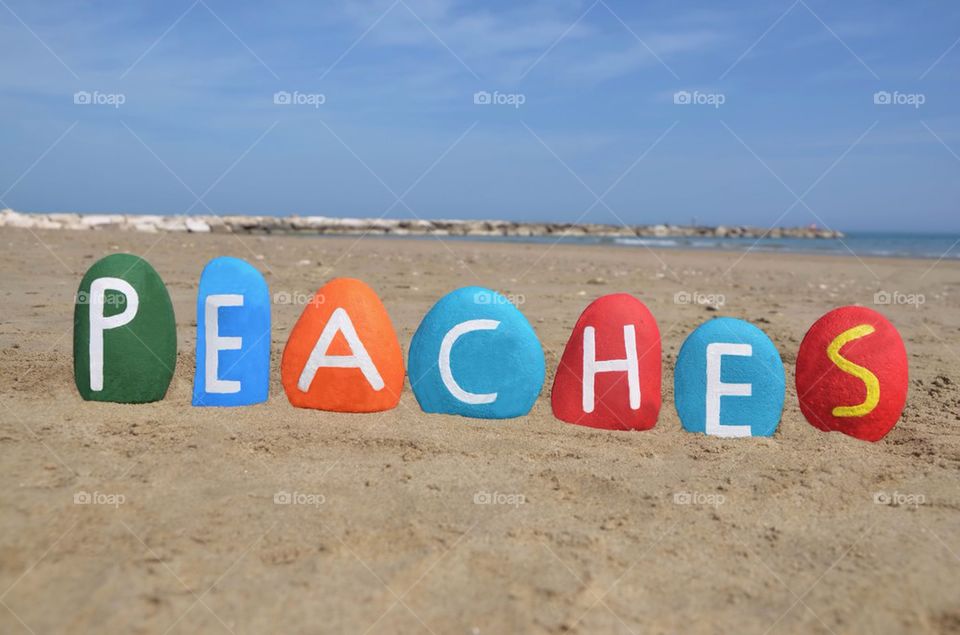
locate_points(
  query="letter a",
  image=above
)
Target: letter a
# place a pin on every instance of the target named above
(343, 354)
(359, 357)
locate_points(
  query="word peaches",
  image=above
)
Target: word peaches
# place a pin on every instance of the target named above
(474, 354)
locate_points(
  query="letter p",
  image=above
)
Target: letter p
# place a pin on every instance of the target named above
(100, 322)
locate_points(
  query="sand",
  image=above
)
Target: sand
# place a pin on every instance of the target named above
(407, 523)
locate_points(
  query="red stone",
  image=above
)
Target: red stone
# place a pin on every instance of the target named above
(614, 319)
(852, 374)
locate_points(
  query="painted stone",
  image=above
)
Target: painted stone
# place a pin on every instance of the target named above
(124, 332)
(609, 375)
(343, 354)
(475, 354)
(233, 335)
(852, 374)
(729, 380)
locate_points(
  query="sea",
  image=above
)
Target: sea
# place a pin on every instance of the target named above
(860, 244)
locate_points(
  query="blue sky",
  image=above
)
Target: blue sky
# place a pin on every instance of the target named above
(783, 128)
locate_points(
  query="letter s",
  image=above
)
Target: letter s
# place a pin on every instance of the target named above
(869, 380)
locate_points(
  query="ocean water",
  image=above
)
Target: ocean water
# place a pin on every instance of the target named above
(861, 244)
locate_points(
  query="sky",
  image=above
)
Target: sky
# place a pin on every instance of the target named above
(768, 113)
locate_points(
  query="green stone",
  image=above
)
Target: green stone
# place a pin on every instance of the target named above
(123, 304)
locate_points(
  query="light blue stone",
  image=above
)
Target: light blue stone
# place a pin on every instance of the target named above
(241, 367)
(762, 370)
(496, 363)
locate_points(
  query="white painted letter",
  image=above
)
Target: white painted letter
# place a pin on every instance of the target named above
(100, 323)
(215, 343)
(359, 357)
(591, 366)
(717, 389)
(446, 374)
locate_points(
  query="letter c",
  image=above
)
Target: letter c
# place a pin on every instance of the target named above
(446, 374)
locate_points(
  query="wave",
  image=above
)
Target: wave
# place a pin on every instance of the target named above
(651, 242)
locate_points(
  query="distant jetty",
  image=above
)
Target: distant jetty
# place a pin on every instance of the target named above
(328, 226)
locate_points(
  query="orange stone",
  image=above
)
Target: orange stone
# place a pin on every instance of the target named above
(343, 354)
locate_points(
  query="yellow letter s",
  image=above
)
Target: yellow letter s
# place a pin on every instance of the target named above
(868, 378)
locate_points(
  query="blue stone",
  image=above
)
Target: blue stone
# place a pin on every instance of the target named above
(233, 335)
(729, 380)
(474, 354)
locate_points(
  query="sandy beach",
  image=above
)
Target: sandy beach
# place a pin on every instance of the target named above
(402, 522)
